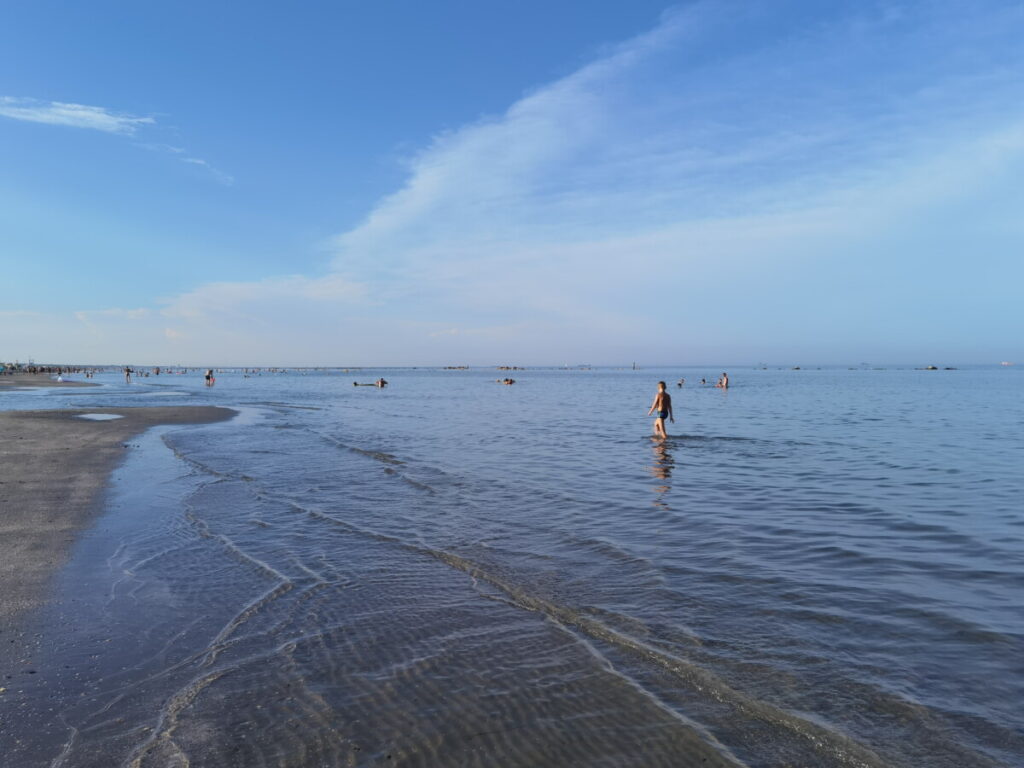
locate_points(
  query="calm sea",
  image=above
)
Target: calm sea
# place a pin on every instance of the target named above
(817, 568)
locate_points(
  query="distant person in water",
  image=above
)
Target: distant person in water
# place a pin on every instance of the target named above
(663, 405)
(723, 383)
(209, 377)
(703, 381)
(381, 383)
(680, 383)
(127, 375)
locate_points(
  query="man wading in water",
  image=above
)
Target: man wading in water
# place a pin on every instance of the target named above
(663, 405)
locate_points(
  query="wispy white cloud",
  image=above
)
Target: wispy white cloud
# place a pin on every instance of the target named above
(183, 154)
(100, 119)
(160, 147)
(207, 302)
(224, 178)
(315, 318)
(74, 115)
(684, 124)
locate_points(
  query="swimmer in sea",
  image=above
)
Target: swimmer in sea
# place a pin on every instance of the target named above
(663, 405)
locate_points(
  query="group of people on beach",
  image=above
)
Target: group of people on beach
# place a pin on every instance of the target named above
(662, 405)
(10, 369)
(208, 377)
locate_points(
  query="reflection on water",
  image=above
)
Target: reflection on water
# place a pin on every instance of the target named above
(661, 469)
(833, 580)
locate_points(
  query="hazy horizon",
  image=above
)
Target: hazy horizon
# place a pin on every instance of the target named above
(716, 366)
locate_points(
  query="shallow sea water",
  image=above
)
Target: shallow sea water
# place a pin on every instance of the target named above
(817, 568)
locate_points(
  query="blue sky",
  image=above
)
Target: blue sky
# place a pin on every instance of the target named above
(483, 182)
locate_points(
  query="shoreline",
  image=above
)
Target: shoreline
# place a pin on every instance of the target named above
(54, 468)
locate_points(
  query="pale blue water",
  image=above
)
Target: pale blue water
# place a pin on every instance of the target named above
(819, 567)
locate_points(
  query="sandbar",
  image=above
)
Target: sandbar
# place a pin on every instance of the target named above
(53, 469)
(30, 380)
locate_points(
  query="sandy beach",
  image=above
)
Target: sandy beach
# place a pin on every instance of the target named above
(53, 466)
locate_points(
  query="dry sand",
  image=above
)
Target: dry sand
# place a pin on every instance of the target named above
(53, 467)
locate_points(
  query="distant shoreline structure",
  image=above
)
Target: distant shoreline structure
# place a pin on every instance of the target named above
(178, 368)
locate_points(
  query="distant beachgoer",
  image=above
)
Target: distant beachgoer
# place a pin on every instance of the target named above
(127, 375)
(703, 381)
(381, 383)
(723, 381)
(680, 383)
(663, 405)
(210, 380)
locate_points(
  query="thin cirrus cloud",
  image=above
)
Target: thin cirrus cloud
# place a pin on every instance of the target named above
(224, 178)
(73, 115)
(98, 119)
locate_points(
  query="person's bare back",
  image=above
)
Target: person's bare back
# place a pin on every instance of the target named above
(663, 405)
(662, 401)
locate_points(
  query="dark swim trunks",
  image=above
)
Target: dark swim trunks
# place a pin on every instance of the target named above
(662, 414)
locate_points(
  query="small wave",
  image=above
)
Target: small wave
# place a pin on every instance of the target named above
(275, 404)
(381, 456)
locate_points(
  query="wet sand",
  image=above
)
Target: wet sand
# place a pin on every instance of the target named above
(29, 380)
(53, 467)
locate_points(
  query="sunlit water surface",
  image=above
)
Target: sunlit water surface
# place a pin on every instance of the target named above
(818, 568)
